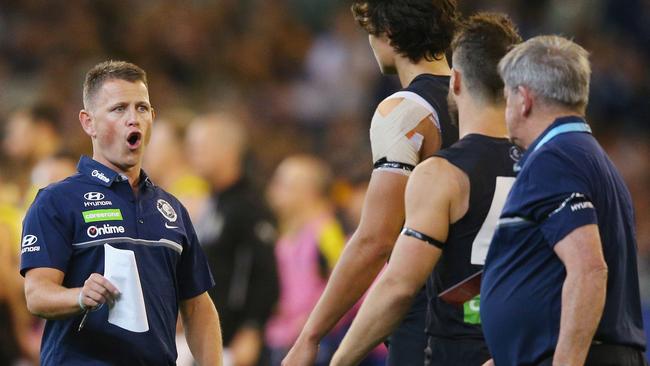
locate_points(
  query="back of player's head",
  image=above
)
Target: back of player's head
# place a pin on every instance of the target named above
(110, 70)
(554, 68)
(417, 29)
(481, 41)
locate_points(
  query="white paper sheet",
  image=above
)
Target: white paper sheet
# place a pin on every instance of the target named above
(121, 269)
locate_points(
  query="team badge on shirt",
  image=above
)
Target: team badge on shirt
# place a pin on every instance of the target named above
(166, 210)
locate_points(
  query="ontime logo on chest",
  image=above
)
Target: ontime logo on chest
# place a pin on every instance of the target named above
(95, 231)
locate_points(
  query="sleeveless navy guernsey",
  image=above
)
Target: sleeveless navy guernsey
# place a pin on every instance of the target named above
(482, 159)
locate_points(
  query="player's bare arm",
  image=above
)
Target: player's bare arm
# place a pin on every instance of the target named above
(583, 293)
(365, 253)
(437, 194)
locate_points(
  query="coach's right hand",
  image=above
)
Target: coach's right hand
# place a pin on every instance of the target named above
(97, 290)
(489, 362)
(303, 353)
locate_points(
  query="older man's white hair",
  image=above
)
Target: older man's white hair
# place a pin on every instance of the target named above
(556, 69)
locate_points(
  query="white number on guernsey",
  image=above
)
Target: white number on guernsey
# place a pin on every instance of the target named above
(482, 241)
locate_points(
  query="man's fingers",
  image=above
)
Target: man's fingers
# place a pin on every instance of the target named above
(92, 298)
(102, 281)
(98, 290)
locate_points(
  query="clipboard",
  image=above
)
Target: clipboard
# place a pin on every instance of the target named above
(463, 291)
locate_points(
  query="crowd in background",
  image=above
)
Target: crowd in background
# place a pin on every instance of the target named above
(299, 78)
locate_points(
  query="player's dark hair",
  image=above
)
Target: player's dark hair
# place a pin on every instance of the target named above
(417, 29)
(481, 41)
(110, 70)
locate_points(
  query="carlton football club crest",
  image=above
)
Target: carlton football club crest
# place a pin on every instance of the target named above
(515, 153)
(166, 210)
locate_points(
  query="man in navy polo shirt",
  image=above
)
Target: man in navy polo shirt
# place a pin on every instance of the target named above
(560, 285)
(109, 259)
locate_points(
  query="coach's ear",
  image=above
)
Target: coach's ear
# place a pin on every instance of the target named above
(454, 81)
(526, 100)
(87, 123)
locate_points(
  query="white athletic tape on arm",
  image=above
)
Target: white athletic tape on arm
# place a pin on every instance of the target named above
(388, 134)
(421, 101)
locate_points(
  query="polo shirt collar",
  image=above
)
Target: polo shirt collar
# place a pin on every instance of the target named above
(105, 176)
(560, 125)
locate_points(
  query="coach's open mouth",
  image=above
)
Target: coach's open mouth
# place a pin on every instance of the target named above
(134, 139)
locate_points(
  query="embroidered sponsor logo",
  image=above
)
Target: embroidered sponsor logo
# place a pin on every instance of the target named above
(95, 231)
(102, 215)
(166, 210)
(99, 175)
(29, 240)
(94, 196)
(581, 206)
(576, 201)
(97, 203)
(28, 244)
(94, 199)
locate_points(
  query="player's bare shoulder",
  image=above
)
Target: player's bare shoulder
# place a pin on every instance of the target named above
(437, 175)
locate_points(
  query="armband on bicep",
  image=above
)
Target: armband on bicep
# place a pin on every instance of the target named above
(384, 164)
(423, 237)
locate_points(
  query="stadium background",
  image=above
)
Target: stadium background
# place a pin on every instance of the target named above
(298, 73)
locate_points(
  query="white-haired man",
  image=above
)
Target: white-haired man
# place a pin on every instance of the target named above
(560, 285)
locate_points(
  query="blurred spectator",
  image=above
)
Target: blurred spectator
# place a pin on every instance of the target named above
(49, 170)
(30, 135)
(166, 163)
(311, 240)
(19, 333)
(237, 235)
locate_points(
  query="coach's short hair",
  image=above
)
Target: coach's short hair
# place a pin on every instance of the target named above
(554, 68)
(110, 70)
(417, 29)
(481, 41)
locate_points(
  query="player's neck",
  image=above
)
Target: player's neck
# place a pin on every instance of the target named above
(407, 70)
(482, 118)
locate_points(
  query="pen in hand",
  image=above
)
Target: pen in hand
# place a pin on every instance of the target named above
(109, 296)
(84, 308)
(83, 320)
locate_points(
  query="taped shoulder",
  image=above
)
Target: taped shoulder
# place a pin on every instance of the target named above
(394, 141)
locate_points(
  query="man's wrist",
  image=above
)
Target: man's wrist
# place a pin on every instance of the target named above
(80, 301)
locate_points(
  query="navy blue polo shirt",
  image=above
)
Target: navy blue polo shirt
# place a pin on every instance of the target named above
(67, 227)
(566, 181)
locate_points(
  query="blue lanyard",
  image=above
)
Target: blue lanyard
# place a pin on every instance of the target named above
(569, 127)
(565, 128)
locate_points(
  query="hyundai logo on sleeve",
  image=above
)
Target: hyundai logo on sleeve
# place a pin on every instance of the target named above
(29, 240)
(28, 244)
